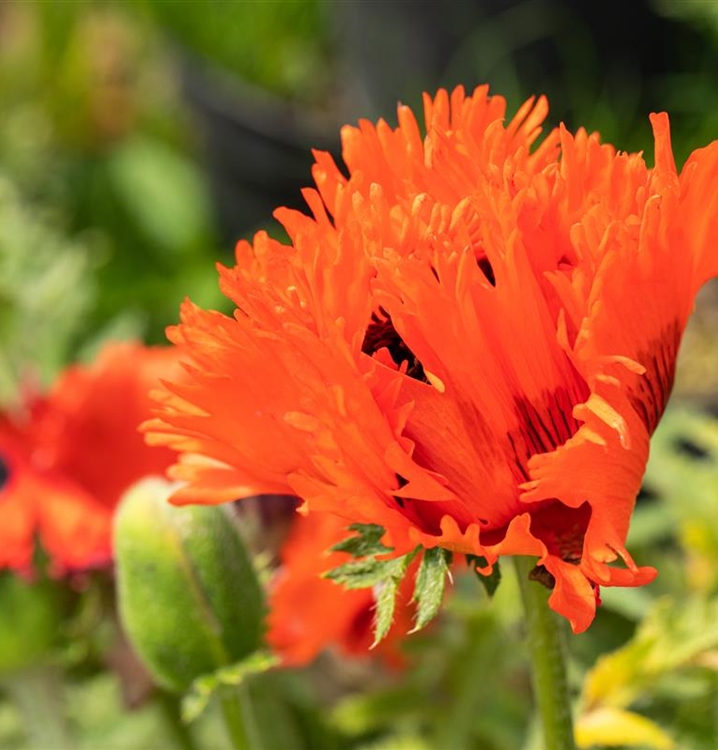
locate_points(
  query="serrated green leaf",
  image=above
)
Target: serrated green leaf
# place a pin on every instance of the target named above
(430, 585)
(203, 688)
(491, 581)
(366, 542)
(385, 594)
(384, 576)
(364, 574)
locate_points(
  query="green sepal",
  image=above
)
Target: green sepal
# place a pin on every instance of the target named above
(430, 585)
(367, 541)
(491, 581)
(204, 687)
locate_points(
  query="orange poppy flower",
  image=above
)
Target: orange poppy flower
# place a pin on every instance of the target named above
(66, 461)
(469, 340)
(308, 613)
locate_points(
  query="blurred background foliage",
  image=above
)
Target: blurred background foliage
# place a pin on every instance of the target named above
(123, 179)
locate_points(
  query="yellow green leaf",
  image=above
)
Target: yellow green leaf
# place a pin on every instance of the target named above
(615, 727)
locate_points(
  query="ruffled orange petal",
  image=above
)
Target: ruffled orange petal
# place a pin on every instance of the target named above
(469, 341)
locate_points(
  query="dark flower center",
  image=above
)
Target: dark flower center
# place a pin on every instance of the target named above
(381, 334)
(4, 473)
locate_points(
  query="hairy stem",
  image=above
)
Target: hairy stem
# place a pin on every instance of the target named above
(547, 661)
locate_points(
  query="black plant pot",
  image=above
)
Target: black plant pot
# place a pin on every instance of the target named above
(257, 147)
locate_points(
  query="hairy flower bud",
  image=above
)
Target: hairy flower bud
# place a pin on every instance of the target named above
(189, 597)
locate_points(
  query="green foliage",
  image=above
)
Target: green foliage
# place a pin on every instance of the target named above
(386, 575)
(462, 689)
(94, 137)
(187, 560)
(46, 289)
(296, 64)
(28, 622)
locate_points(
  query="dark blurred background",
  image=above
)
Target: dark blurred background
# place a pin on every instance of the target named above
(139, 140)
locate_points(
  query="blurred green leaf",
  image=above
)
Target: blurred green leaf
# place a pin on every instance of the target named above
(29, 613)
(615, 727)
(46, 290)
(672, 637)
(163, 191)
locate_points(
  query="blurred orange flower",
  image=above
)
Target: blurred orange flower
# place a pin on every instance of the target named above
(65, 461)
(469, 341)
(308, 613)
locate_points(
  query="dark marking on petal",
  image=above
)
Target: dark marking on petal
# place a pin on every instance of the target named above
(650, 395)
(543, 428)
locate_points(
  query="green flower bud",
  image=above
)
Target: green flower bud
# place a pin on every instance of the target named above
(189, 597)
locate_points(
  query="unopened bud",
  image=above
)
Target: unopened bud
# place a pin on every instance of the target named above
(189, 597)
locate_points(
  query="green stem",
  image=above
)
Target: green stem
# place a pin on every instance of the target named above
(547, 661)
(37, 693)
(170, 706)
(239, 719)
